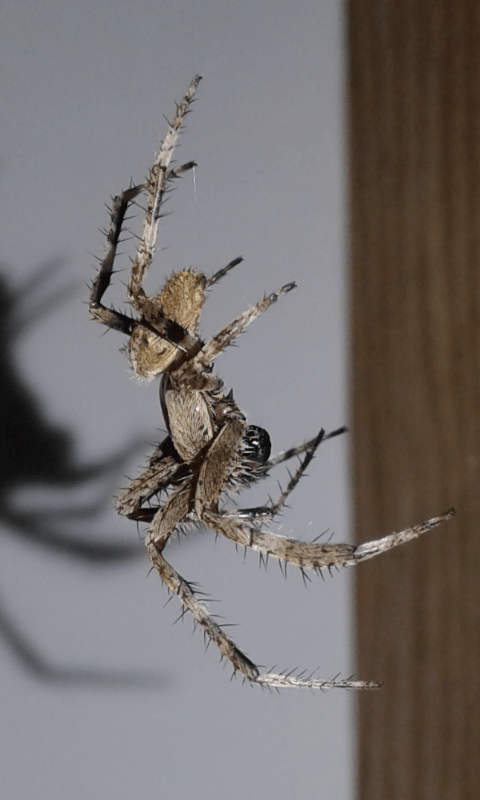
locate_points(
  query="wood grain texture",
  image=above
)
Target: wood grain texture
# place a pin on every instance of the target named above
(414, 136)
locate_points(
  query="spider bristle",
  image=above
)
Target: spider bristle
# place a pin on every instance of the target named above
(301, 674)
(292, 671)
(320, 536)
(142, 208)
(180, 616)
(305, 577)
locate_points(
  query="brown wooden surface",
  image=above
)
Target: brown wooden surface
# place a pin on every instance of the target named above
(414, 127)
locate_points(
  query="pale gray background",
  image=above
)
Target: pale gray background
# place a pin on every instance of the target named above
(85, 86)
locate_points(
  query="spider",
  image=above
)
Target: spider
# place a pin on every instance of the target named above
(210, 449)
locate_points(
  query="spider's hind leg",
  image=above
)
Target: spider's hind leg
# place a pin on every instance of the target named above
(164, 523)
(311, 555)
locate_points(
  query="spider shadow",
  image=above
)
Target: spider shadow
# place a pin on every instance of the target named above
(36, 454)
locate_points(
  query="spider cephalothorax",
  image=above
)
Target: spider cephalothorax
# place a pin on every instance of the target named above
(210, 449)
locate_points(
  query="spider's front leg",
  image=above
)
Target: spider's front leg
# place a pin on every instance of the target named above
(158, 179)
(107, 316)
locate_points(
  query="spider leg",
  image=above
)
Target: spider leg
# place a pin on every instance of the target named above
(110, 317)
(162, 471)
(221, 272)
(175, 510)
(226, 336)
(310, 555)
(156, 185)
(301, 448)
(223, 456)
(377, 546)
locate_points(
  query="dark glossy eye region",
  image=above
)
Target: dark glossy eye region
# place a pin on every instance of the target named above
(257, 444)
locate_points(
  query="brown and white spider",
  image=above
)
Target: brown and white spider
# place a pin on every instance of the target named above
(210, 448)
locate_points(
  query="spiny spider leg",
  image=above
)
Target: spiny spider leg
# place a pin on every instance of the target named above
(213, 632)
(301, 448)
(371, 549)
(221, 272)
(163, 471)
(114, 319)
(165, 521)
(310, 555)
(156, 184)
(217, 464)
(159, 176)
(224, 337)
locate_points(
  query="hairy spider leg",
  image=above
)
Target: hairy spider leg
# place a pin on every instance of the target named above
(110, 317)
(221, 272)
(285, 455)
(155, 186)
(163, 470)
(310, 555)
(164, 523)
(226, 335)
(158, 178)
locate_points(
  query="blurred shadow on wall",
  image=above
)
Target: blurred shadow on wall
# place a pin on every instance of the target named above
(37, 455)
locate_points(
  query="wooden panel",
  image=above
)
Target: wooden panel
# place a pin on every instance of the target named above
(414, 127)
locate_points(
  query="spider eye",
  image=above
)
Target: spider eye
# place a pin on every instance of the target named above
(257, 444)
